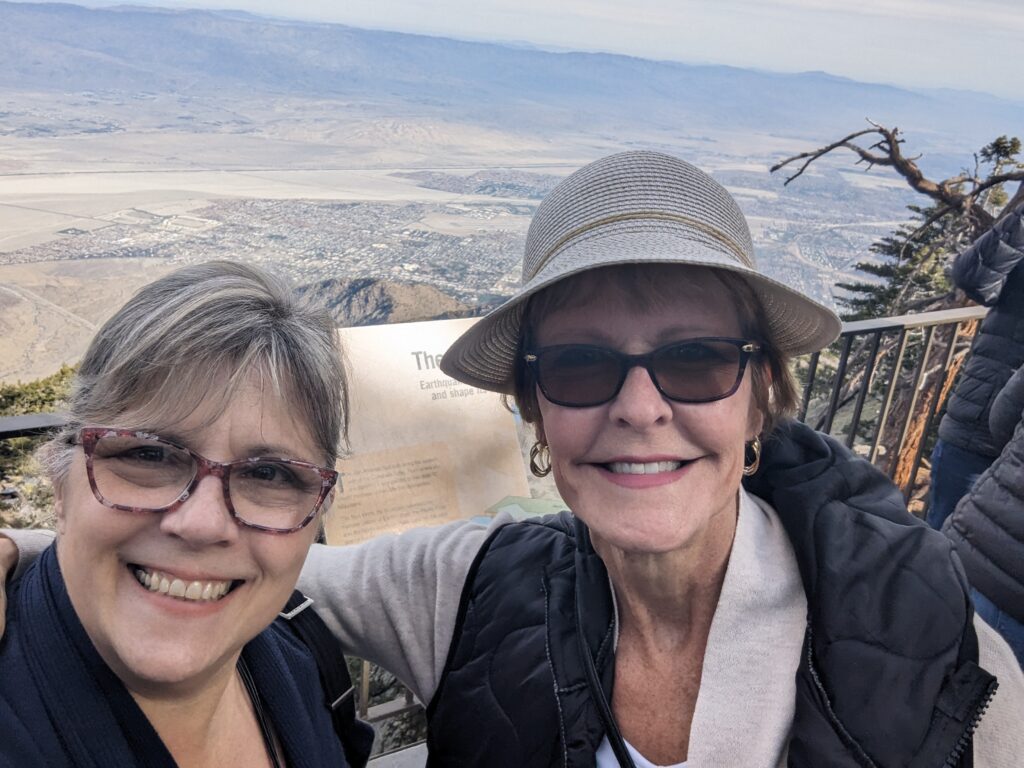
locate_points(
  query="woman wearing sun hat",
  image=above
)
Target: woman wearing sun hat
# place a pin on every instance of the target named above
(674, 616)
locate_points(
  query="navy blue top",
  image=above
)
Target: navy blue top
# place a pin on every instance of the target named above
(60, 705)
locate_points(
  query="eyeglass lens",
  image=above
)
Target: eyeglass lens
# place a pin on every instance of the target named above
(691, 371)
(149, 473)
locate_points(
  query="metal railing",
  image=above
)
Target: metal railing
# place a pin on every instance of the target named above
(886, 380)
(852, 390)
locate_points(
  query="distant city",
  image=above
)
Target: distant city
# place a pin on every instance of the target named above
(469, 250)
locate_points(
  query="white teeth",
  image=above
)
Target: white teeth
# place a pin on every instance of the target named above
(643, 468)
(155, 581)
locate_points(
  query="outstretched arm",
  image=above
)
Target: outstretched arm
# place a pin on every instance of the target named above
(18, 550)
(393, 600)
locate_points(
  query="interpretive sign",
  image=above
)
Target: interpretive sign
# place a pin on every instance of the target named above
(425, 449)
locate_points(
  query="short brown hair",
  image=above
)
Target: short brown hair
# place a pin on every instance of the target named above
(774, 388)
(151, 363)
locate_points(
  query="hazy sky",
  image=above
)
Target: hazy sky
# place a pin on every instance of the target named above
(973, 44)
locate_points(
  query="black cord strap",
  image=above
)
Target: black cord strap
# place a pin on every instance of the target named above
(261, 715)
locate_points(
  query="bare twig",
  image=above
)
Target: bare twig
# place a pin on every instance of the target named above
(812, 156)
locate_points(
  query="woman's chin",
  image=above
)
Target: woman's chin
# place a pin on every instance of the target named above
(161, 668)
(640, 540)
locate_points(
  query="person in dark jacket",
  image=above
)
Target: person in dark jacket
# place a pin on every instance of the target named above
(988, 524)
(203, 427)
(991, 272)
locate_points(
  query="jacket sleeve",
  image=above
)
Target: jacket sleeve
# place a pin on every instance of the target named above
(1007, 409)
(982, 270)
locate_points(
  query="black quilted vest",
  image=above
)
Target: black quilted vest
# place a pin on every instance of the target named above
(888, 677)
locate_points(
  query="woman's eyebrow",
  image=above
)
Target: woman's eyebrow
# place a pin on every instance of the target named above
(274, 450)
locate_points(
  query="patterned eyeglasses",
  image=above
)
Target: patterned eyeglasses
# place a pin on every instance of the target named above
(142, 472)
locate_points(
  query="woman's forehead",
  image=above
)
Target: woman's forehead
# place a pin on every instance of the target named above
(186, 405)
(644, 290)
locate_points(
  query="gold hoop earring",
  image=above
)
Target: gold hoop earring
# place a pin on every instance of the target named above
(751, 468)
(540, 459)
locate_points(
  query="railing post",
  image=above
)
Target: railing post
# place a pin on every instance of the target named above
(869, 371)
(901, 348)
(932, 410)
(929, 334)
(812, 369)
(833, 401)
(364, 690)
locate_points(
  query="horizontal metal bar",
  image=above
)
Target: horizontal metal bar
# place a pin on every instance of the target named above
(30, 424)
(388, 709)
(922, 320)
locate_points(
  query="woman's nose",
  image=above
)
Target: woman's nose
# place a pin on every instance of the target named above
(203, 519)
(639, 403)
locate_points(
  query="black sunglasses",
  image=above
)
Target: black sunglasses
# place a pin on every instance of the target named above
(687, 371)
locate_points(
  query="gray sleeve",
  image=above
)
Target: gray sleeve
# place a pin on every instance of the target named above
(30, 544)
(393, 600)
(999, 740)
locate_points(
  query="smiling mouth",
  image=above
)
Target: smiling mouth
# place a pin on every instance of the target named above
(195, 591)
(643, 468)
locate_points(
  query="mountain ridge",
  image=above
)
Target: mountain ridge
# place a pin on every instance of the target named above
(58, 46)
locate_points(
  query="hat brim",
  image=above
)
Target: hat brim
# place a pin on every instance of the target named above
(484, 355)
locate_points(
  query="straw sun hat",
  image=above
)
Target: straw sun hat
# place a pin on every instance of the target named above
(633, 208)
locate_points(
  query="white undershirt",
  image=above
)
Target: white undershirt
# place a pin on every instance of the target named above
(606, 757)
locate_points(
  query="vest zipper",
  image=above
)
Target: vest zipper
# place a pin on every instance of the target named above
(862, 757)
(962, 742)
(978, 711)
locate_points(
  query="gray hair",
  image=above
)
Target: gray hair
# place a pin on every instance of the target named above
(150, 365)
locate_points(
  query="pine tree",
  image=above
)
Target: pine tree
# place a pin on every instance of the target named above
(910, 270)
(910, 273)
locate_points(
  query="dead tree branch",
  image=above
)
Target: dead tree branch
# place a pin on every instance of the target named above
(887, 152)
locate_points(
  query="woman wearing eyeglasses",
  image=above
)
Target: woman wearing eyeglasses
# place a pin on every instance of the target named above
(675, 616)
(203, 429)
